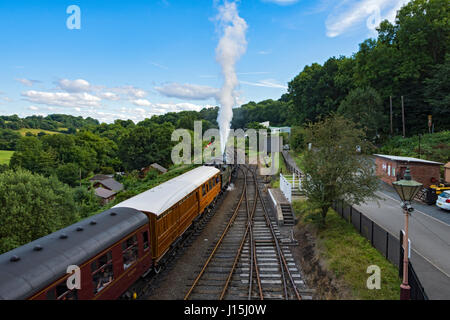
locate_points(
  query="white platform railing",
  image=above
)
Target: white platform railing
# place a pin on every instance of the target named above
(286, 188)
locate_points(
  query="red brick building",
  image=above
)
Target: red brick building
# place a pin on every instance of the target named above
(447, 172)
(392, 168)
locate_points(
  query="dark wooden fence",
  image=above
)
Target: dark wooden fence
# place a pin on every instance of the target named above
(383, 241)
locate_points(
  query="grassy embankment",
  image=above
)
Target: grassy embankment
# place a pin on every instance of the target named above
(275, 183)
(347, 254)
(5, 156)
(433, 147)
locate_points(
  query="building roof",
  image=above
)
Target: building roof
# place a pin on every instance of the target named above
(158, 167)
(447, 165)
(111, 184)
(37, 269)
(100, 177)
(164, 196)
(407, 159)
(104, 193)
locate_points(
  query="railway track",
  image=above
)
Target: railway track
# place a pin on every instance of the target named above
(248, 260)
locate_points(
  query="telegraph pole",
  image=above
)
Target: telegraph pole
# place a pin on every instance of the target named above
(403, 117)
(392, 127)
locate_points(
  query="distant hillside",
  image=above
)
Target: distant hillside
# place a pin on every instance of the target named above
(53, 122)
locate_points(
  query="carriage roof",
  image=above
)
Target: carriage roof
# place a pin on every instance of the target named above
(158, 199)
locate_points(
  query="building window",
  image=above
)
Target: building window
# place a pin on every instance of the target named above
(102, 272)
(129, 252)
(145, 239)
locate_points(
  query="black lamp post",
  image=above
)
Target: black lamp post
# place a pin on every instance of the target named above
(407, 190)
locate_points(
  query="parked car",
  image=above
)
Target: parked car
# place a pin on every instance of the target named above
(443, 201)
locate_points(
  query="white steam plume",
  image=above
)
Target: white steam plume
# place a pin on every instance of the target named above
(231, 47)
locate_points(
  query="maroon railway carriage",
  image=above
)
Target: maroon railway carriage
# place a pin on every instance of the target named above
(112, 250)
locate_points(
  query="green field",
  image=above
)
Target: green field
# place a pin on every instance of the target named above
(5, 156)
(24, 131)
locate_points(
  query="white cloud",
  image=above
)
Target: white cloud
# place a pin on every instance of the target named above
(34, 108)
(349, 14)
(269, 83)
(27, 82)
(113, 94)
(78, 85)
(62, 99)
(142, 102)
(139, 114)
(130, 91)
(161, 108)
(187, 91)
(109, 96)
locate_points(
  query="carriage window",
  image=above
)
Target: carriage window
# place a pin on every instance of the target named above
(129, 252)
(214, 182)
(145, 239)
(217, 179)
(102, 272)
(61, 292)
(210, 184)
(203, 190)
(51, 295)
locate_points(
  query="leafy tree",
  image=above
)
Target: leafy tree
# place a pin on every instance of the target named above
(32, 206)
(31, 155)
(365, 108)
(87, 202)
(318, 90)
(333, 168)
(255, 125)
(437, 93)
(69, 173)
(8, 139)
(104, 149)
(276, 112)
(142, 146)
(297, 139)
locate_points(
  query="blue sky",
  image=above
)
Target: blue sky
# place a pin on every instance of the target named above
(132, 59)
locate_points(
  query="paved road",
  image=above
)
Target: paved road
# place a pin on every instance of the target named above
(431, 210)
(430, 240)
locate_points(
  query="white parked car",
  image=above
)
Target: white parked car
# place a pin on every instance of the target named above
(443, 200)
